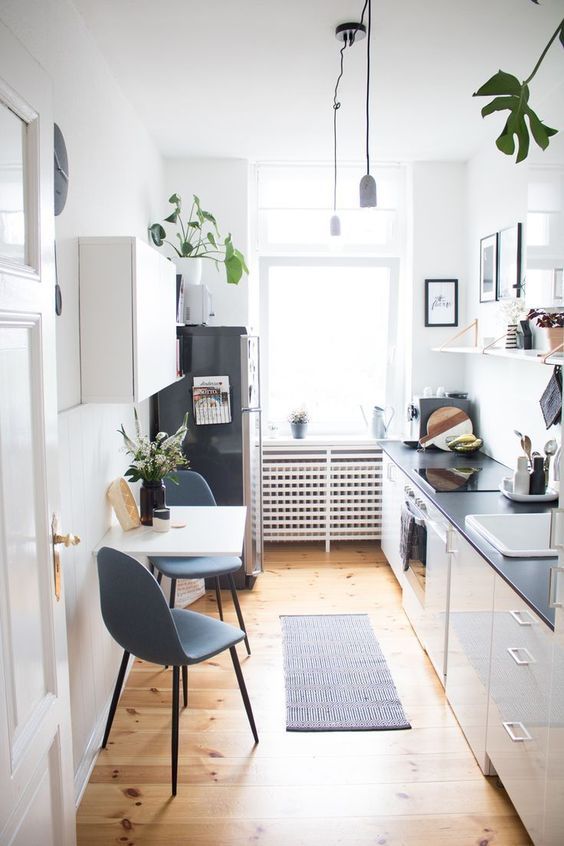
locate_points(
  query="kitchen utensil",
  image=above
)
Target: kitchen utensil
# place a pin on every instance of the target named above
(550, 449)
(527, 446)
(445, 422)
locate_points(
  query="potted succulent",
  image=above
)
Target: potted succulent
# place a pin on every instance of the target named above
(199, 238)
(553, 322)
(152, 462)
(298, 419)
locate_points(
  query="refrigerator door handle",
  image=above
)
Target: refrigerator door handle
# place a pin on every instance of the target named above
(250, 410)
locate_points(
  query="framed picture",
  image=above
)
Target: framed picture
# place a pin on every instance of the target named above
(441, 302)
(509, 263)
(488, 268)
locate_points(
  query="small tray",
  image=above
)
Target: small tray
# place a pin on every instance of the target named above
(549, 496)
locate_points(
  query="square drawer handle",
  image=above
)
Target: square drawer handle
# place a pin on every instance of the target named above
(523, 617)
(514, 652)
(515, 738)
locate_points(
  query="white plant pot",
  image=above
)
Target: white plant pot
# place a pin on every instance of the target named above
(191, 270)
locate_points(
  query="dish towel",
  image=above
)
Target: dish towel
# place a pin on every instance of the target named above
(551, 400)
(408, 536)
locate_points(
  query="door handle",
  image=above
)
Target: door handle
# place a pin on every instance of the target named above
(519, 615)
(517, 738)
(514, 652)
(57, 539)
(552, 583)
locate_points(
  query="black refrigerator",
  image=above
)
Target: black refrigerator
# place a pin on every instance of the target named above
(227, 454)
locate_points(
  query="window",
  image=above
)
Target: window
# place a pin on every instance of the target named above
(328, 320)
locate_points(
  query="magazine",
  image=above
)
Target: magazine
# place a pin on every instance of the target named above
(211, 400)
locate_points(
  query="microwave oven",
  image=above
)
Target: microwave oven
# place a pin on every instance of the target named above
(198, 305)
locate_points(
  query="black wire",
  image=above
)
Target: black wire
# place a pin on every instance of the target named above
(363, 11)
(336, 107)
(369, 2)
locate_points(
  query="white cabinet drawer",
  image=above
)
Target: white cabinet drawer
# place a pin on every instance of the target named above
(519, 704)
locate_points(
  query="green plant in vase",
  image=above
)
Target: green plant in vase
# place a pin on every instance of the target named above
(152, 462)
(199, 237)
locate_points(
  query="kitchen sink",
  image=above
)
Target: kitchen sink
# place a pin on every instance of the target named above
(515, 535)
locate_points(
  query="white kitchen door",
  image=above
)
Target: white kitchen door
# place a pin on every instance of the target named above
(36, 779)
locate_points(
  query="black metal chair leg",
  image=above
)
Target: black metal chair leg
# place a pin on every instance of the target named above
(115, 697)
(218, 597)
(185, 684)
(172, 598)
(159, 577)
(151, 568)
(244, 694)
(238, 610)
(174, 739)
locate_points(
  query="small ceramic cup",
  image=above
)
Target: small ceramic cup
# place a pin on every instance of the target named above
(507, 484)
(161, 519)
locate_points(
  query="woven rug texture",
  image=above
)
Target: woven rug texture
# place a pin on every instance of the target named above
(336, 676)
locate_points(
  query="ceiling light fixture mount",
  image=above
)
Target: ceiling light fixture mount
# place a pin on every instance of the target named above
(350, 32)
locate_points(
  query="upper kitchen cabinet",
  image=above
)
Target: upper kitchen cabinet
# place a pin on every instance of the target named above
(127, 320)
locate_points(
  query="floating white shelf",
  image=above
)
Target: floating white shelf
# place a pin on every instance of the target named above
(535, 356)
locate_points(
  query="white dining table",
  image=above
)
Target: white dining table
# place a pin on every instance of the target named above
(215, 530)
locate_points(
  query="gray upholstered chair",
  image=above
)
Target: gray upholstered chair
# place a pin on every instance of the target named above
(194, 490)
(137, 616)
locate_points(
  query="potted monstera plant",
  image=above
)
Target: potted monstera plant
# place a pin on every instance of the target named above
(199, 238)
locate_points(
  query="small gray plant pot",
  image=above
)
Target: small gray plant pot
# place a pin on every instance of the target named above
(299, 430)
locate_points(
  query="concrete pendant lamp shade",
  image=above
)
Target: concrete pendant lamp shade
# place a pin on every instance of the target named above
(367, 192)
(335, 225)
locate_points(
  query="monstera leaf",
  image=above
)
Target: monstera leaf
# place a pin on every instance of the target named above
(513, 96)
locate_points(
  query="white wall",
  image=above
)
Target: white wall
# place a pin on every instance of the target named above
(508, 391)
(223, 188)
(437, 251)
(115, 189)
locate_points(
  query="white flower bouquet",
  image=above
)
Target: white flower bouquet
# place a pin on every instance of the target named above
(153, 461)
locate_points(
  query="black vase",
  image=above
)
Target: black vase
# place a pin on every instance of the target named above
(152, 495)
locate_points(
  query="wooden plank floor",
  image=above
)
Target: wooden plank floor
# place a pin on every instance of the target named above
(398, 788)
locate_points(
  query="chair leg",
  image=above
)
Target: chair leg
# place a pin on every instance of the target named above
(151, 568)
(159, 577)
(185, 684)
(218, 597)
(115, 697)
(172, 599)
(174, 739)
(238, 610)
(244, 694)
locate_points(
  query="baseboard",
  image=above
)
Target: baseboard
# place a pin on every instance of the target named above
(90, 756)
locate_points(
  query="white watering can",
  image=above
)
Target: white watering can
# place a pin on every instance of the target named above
(377, 424)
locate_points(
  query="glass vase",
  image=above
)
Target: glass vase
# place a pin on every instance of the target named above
(152, 495)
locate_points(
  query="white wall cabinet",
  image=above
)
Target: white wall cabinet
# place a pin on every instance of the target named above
(469, 643)
(518, 704)
(127, 320)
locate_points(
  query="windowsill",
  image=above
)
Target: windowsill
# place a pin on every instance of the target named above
(286, 440)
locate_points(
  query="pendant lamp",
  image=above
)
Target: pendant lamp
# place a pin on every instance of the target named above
(367, 187)
(347, 33)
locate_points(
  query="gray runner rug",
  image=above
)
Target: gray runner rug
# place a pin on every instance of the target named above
(336, 676)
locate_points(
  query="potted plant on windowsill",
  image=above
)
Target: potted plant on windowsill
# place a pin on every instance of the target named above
(298, 419)
(553, 322)
(199, 238)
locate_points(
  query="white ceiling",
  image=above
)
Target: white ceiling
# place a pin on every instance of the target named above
(255, 78)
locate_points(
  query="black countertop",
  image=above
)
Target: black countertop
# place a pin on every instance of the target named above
(527, 576)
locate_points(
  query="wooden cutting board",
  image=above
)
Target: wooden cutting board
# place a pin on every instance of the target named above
(446, 422)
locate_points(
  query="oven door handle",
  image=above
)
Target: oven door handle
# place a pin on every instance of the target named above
(416, 512)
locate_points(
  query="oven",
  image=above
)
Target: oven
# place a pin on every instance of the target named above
(427, 583)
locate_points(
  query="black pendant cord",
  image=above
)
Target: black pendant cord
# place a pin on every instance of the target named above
(369, 2)
(336, 107)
